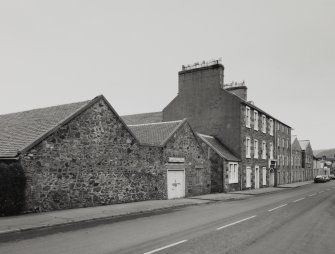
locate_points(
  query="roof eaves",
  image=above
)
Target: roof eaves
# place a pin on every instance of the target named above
(210, 145)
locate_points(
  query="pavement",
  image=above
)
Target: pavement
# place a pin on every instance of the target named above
(25, 222)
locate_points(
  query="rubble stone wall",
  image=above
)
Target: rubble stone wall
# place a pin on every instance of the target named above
(92, 160)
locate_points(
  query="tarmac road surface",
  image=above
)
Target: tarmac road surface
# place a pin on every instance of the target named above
(300, 220)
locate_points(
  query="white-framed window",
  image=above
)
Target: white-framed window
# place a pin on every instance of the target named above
(278, 126)
(247, 117)
(247, 147)
(233, 172)
(278, 142)
(271, 150)
(248, 177)
(278, 159)
(263, 149)
(287, 144)
(264, 175)
(255, 148)
(255, 120)
(263, 123)
(271, 127)
(283, 143)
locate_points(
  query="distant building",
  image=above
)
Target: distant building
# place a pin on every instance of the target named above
(298, 174)
(327, 158)
(307, 159)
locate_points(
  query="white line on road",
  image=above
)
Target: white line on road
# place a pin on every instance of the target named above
(277, 207)
(311, 195)
(298, 200)
(231, 224)
(165, 247)
(321, 191)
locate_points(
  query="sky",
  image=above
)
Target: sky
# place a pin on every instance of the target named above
(55, 52)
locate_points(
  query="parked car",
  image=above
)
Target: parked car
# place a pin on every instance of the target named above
(320, 179)
(332, 176)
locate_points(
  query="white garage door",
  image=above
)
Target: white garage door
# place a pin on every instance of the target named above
(176, 183)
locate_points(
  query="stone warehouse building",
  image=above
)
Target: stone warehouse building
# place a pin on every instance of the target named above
(83, 154)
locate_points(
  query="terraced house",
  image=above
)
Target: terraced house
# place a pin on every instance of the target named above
(245, 131)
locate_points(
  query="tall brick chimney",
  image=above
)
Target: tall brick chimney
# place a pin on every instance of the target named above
(205, 76)
(239, 89)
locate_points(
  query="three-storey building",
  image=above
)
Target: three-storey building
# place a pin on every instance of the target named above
(223, 111)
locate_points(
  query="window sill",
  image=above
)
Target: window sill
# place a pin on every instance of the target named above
(232, 182)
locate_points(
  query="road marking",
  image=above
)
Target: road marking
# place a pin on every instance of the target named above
(298, 200)
(277, 207)
(165, 247)
(311, 195)
(321, 191)
(231, 224)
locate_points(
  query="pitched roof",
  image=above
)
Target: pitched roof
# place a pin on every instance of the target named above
(218, 147)
(155, 134)
(18, 130)
(293, 138)
(21, 131)
(152, 117)
(304, 144)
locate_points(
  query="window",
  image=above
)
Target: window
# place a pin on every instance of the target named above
(247, 147)
(278, 126)
(255, 120)
(247, 117)
(264, 175)
(278, 142)
(263, 150)
(197, 175)
(283, 143)
(271, 127)
(271, 151)
(255, 148)
(233, 172)
(263, 123)
(248, 177)
(287, 144)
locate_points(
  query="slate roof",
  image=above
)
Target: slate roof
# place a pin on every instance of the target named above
(21, 131)
(155, 134)
(152, 117)
(304, 144)
(218, 147)
(18, 130)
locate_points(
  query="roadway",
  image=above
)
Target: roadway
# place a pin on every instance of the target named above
(300, 220)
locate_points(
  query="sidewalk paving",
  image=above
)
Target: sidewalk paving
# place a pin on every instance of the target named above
(26, 222)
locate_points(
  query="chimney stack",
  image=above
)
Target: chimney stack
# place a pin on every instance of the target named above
(239, 89)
